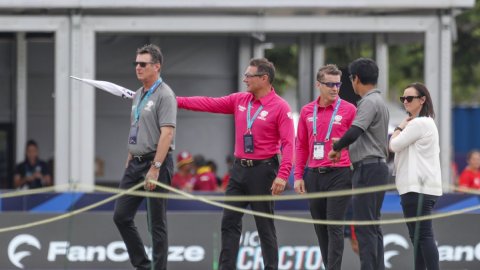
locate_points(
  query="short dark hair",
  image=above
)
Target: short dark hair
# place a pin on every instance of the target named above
(154, 51)
(199, 160)
(31, 143)
(213, 165)
(365, 69)
(422, 91)
(330, 69)
(264, 67)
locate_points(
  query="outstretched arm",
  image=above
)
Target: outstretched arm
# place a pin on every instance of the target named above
(223, 105)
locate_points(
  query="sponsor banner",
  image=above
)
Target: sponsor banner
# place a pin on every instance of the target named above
(91, 241)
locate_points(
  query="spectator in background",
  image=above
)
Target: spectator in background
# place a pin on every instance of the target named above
(226, 176)
(32, 172)
(213, 168)
(470, 177)
(182, 179)
(204, 179)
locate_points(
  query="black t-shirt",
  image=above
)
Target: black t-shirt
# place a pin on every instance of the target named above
(26, 169)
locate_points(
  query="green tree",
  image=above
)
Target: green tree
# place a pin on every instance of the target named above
(466, 58)
(405, 67)
(285, 59)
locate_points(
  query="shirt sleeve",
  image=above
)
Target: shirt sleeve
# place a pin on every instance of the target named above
(366, 112)
(225, 105)
(353, 113)
(302, 151)
(167, 111)
(412, 132)
(287, 138)
(348, 138)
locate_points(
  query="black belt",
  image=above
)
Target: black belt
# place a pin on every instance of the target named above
(323, 170)
(253, 162)
(146, 157)
(366, 161)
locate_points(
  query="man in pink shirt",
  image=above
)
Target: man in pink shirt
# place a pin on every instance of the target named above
(263, 129)
(321, 121)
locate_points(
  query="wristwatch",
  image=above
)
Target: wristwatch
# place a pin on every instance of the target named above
(157, 164)
(398, 128)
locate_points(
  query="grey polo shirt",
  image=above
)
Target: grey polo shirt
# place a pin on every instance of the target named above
(159, 111)
(372, 117)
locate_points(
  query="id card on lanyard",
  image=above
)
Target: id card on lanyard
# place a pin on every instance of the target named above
(133, 134)
(248, 146)
(319, 147)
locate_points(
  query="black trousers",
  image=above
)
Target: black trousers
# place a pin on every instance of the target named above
(249, 181)
(126, 207)
(330, 238)
(367, 207)
(427, 251)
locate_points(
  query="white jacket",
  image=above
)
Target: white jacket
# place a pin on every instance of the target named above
(417, 158)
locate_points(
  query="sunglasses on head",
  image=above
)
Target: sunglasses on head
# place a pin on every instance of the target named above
(142, 64)
(332, 84)
(408, 98)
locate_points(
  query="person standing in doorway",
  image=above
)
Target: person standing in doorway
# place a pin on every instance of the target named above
(32, 172)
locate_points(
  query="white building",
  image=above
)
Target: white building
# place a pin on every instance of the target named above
(207, 45)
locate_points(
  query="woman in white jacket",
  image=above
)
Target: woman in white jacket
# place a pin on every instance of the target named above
(417, 169)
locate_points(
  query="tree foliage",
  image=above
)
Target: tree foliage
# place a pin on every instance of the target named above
(406, 63)
(285, 59)
(466, 58)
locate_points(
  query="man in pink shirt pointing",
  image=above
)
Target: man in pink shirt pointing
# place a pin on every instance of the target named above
(321, 121)
(263, 130)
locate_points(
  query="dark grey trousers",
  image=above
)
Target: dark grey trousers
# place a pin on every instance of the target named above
(367, 207)
(126, 207)
(330, 238)
(249, 181)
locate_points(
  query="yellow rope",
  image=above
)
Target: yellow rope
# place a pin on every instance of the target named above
(253, 198)
(209, 200)
(69, 214)
(312, 221)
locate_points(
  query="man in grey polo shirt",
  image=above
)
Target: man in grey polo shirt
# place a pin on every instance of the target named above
(150, 141)
(367, 138)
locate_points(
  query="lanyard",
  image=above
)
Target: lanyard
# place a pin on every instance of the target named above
(327, 137)
(142, 101)
(251, 120)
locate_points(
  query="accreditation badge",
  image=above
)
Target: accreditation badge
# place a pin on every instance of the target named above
(318, 150)
(248, 143)
(132, 137)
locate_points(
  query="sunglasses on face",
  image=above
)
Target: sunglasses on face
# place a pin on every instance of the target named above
(408, 98)
(142, 64)
(332, 84)
(248, 75)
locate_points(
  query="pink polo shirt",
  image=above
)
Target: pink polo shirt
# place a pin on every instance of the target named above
(272, 129)
(304, 146)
